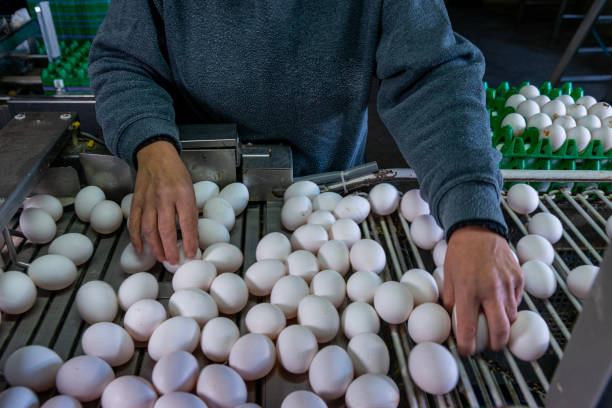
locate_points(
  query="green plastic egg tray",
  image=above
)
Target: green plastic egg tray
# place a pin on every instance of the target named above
(71, 68)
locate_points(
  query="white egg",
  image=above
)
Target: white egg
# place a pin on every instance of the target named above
(429, 322)
(84, 377)
(367, 254)
(226, 257)
(96, 302)
(237, 194)
(334, 255)
(439, 253)
(229, 292)
(412, 205)
(539, 121)
(345, 230)
(126, 205)
(274, 245)
(194, 274)
(34, 367)
(357, 318)
(362, 285)
(580, 280)
(541, 100)
(221, 211)
(516, 122)
(369, 354)
(179, 399)
(304, 264)
(253, 356)
(384, 199)
(566, 122)
(331, 372)
(609, 227)
(581, 135)
(528, 108)
(52, 272)
(329, 284)
(529, 91)
(194, 303)
(108, 341)
(523, 198)
(62, 401)
(17, 292)
(132, 261)
(554, 109)
(539, 279)
(76, 247)
(47, 203)
(515, 100)
(323, 218)
(295, 212)
(18, 397)
(86, 200)
(143, 317)
(183, 258)
(302, 188)
(218, 337)
(567, 100)
(37, 225)
(177, 371)
(326, 201)
(266, 319)
(287, 293)
(587, 101)
(576, 111)
(106, 217)
(320, 316)
(129, 391)
(176, 333)
(607, 122)
(590, 122)
(372, 390)
(141, 285)
(303, 399)
(309, 237)
(482, 330)
(296, 347)
(422, 285)
(601, 110)
(393, 302)
(604, 135)
(547, 226)
(262, 275)
(555, 134)
(204, 190)
(220, 386)
(532, 247)
(529, 336)
(354, 207)
(425, 232)
(433, 368)
(211, 232)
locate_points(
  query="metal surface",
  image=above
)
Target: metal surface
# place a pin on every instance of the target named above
(110, 173)
(13, 40)
(266, 169)
(47, 29)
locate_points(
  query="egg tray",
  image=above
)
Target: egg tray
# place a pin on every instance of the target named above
(71, 68)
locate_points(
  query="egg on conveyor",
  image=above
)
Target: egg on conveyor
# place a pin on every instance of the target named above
(433, 368)
(517, 122)
(303, 399)
(369, 255)
(320, 316)
(274, 245)
(547, 226)
(108, 341)
(194, 303)
(132, 261)
(555, 134)
(86, 200)
(422, 285)
(226, 257)
(96, 301)
(331, 372)
(84, 377)
(204, 190)
(47, 203)
(528, 108)
(229, 292)
(345, 230)
(266, 319)
(296, 347)
(18, 397)
(126, 205)
(514, 101)
(482, 330)
(179, 399)
(532, 247)
(183, 258)
(412, 205)
(287, 293)
(601, 109)
(384, 199)
(262, 275)
(429, 322)
(52, 272)
(539, 279)
(62, 401)
(334, 255)
(425, 232)
(609, 227)
(76, 247)
(106, 217)
(295, 212)
(220, 386)
(309, 237)
(177, 371)
(176, 333)
(580, 280)
(354, 207)
(143, 317)
(357, 318)
(326, 201)
(438, 275)
(253, 356)
(128, 391)
(566, 122)
(372, 390)
(529, 336)
(539, 121)
(141, 285)
(221, 211)
(604, 135)
(361, 286)
(439, 253)
(17, 292)
(218, 337)
(523, 198)
(581, 135)
(393, 302)
(304, 264)
(329, 284)
(37, 225)
(211, 232)
(237, 194)
(34, 367)
(369, 354)
(302, 188)
(554, 109)
(323, 218)
(194, 274)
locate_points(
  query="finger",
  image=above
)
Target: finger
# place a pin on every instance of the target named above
(151, 234)
(519, 284)
(499, 326)
(167, 232)
(510, 305)
(467, 321)
(135, 221)
(448, 293)
(188, 220)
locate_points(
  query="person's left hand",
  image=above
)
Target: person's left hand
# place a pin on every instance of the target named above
(481, 273)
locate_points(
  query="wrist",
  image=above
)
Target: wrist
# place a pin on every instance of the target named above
(155, 150)
(489, 226)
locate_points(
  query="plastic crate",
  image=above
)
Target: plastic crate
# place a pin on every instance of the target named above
(75, 19)
(68, 74)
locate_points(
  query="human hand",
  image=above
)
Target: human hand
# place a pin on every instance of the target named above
(163, 188)
(481, 273)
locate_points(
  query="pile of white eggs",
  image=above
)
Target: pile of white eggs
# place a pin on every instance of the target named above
(561, 119)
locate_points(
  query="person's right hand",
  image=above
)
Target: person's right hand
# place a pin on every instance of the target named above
(163, 189)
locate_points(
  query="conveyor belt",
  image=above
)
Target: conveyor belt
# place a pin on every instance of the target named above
(488, 379)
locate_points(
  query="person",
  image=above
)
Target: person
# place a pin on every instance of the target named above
(300, 73)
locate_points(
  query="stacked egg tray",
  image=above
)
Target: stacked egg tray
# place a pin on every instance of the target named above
(527, 152)
(71, 68)
(486, 379)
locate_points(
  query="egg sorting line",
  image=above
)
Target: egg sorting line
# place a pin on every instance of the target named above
(487, 379)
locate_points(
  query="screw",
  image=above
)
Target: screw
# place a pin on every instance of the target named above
(20, 116)
(65, 116)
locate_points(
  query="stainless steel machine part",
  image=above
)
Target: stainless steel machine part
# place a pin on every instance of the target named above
(47, 29)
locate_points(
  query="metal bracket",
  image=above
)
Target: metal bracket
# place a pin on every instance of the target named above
(8, 239)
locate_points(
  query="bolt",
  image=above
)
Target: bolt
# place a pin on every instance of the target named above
(20, 116)
(65, 116)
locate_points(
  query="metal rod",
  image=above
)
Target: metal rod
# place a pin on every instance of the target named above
(519, 378)
(415, 250)
(540, 374)
(603, 198)
(592, 210)
(396, 243)
(8, 239)
(465, 380)
(390, 247)
(491, 383)
(553, 342)
(401, 360)
(584, 214)
(566, 333)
